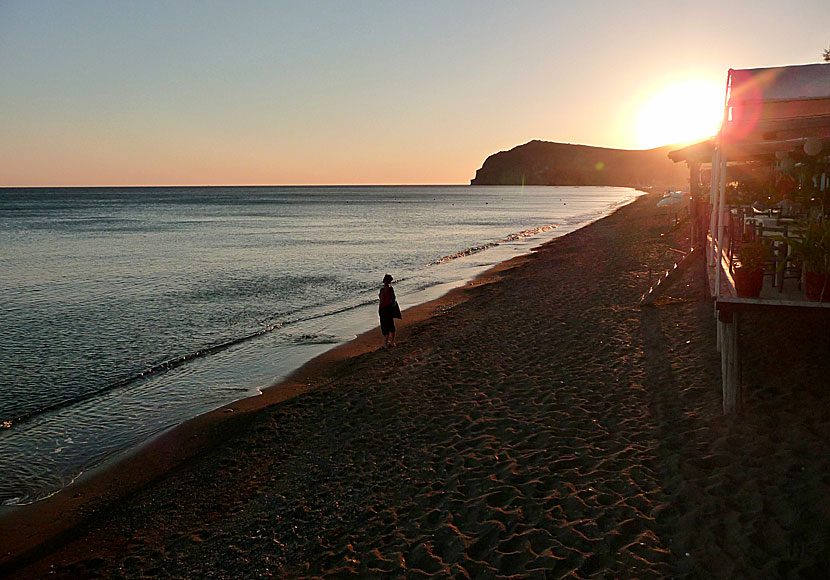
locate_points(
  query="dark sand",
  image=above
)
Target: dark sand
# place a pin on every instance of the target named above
(537, 424)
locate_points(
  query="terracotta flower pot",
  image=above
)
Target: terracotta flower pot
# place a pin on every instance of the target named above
(815, 285)
(748, 284)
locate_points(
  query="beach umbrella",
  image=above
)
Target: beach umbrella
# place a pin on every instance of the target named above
(674, 198)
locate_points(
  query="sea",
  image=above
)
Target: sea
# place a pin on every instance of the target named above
(127, 311)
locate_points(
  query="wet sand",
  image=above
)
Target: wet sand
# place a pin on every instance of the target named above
(535, 424)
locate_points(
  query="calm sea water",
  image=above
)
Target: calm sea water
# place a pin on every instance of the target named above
(126, 311)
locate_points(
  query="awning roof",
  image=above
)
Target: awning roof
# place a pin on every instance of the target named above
(701, 152)
(770, 110)
(783, 83)
(771, 104)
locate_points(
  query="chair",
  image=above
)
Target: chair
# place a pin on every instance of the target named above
(783, 265)
(766, 234)
(739, 233)
(790, 266)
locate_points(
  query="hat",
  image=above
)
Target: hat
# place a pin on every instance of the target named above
(387, 279)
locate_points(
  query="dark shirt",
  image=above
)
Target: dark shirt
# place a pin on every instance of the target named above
(387, 297)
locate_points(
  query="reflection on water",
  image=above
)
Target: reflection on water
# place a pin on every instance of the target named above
(127, 311)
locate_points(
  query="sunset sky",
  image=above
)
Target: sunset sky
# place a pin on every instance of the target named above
(358, 92)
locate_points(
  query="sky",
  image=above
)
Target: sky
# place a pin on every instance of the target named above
(311, 92)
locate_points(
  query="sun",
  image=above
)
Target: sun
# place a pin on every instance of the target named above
(684, 112)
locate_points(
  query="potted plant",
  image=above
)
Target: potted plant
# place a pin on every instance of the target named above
(812, 247)
(749, 271)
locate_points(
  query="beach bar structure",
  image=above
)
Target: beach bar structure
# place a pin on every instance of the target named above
(775, 120)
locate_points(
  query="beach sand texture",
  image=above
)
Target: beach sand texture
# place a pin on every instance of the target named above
(539, 424)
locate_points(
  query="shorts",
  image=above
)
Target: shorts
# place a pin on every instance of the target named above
(387, 323)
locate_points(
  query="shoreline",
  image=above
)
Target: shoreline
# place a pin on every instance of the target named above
(31, 531)
(205, 383)
(538, 424)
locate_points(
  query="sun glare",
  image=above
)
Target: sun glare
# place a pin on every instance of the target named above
(681, 113)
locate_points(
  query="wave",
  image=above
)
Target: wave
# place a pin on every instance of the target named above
(511, 238)
(321, 338)
(163, 366)
(178, 361)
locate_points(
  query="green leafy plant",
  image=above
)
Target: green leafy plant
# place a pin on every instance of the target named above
(753, 255)
(812, 247)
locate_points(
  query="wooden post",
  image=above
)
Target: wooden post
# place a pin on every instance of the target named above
(713, 199)
(671, 276)
(720, 235)
(730, 362)
(694, 192)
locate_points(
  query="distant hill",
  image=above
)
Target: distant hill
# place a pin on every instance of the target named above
(546, 163)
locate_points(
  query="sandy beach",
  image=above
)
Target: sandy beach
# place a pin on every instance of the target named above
(536, 423)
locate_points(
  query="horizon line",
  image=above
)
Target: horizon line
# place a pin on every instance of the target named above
(241, 185)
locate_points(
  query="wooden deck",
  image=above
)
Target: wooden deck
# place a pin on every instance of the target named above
(729, 306)
(791, 294)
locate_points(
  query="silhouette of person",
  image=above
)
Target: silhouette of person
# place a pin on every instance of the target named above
(386, 311)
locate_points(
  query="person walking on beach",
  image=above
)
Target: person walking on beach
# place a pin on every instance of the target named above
(388, 310)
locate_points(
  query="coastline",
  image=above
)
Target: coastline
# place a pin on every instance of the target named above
(31, 531)
(533, 423)
(152, 386)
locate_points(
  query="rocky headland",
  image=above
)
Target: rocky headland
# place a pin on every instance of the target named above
(547, 163)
